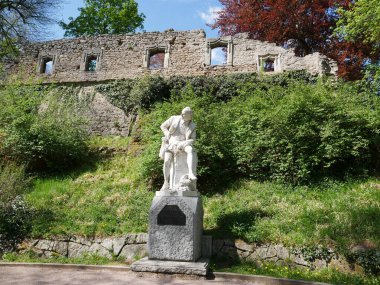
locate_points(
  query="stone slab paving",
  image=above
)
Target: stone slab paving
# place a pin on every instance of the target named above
(27, 275)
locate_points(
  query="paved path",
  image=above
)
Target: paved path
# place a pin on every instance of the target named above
(26, 275)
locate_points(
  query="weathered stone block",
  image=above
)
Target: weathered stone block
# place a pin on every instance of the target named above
(97, 249)
(77, 249)
(242, 245)
(61, 247)
(132, 251)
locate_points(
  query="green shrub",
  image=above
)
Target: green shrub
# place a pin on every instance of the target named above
(370, 84)
(214, 165)
(15, 215)
(305, 132)
(40, 127)
(369, 259)
(294, 132)
(132, 94)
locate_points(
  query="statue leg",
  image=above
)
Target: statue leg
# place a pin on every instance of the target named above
(192, 161)
(168, 158)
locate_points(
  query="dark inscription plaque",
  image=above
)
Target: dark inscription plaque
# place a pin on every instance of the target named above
(171, 215)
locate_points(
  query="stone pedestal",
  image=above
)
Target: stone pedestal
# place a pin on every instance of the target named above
(175, 228)
(172, 267)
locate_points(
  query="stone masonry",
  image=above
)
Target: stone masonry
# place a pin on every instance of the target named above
(134, 246)
(130, 247)
(185, 53)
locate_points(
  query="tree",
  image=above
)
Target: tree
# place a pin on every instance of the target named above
(22, 19)
(105, 17)
(362, 22)
(305, 25)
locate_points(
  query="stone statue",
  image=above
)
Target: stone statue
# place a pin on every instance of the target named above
(178, 153)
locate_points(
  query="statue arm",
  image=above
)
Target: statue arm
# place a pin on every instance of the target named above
(165, 126)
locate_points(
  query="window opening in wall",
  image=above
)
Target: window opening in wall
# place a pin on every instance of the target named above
(47, 66)
(219, 55)
(91, 63)
(268, 65)
(156, 59)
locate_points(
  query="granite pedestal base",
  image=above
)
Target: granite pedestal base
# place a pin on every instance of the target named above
(199, 268)
(175, 228)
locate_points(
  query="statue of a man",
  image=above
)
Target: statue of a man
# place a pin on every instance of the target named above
(179, 137)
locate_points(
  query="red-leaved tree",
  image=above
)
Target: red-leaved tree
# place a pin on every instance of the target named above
(306, 25)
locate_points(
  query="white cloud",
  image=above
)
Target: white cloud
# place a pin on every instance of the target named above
(211, 15)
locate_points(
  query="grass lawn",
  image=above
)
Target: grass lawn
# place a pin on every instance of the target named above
(102, 199)
(108, 198)
(325, 275)
(332, 214)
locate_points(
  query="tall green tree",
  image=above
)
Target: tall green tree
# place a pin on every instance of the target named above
(105, 17)
(21, 20)
(361, 22)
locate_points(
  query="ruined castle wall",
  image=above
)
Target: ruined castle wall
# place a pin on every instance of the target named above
(186, 53)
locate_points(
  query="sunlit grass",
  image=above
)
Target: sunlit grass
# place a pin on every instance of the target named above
(324, 275)
(332, 214)
(109, 198)
(89, 259)
(103, 200)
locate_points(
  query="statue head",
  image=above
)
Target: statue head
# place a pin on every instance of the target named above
(187, 114)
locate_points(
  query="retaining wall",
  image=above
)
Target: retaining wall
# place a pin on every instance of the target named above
(134, 246)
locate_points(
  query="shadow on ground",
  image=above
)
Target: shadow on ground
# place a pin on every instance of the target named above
(238, 225)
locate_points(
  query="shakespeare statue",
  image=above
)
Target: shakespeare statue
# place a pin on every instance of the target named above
(177, 151)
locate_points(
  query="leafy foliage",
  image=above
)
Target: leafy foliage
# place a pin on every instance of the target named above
(276, 128)
(40, 127)
(362, 22)
(312, 253)
(368, 258)
(132, 94)
(14, 212)
(305, 25)
(20, 20)
(105, 17)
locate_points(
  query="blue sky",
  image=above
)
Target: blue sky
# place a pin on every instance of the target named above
(160, 15)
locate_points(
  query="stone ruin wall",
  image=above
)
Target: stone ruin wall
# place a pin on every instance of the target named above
(187, 53)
